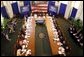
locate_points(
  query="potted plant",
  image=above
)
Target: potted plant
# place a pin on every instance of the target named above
(77, 23)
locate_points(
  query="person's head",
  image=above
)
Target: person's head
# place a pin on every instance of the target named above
(67, 47)
(63, 42)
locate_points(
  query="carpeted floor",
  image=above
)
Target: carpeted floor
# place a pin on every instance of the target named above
(42, 44)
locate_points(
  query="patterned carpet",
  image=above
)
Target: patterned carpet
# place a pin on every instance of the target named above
(42, 41)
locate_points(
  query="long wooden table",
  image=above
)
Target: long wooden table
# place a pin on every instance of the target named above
(54, 46)
(31, 39)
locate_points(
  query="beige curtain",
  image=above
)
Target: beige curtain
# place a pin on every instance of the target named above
(8, 8)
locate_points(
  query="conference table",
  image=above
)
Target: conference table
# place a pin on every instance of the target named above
(31, 39)
(54, 46)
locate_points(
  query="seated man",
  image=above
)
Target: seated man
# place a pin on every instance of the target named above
(76, 36)
(67, 49)
(72, 29)
(80, 35)
(64, 45)
(22, 33)
(61, 51)
(59, 33)
(11, 25)
(61, 36)
(17, 48)
(21, 52)
(7, 37)
(5, 33)
(62, 40)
